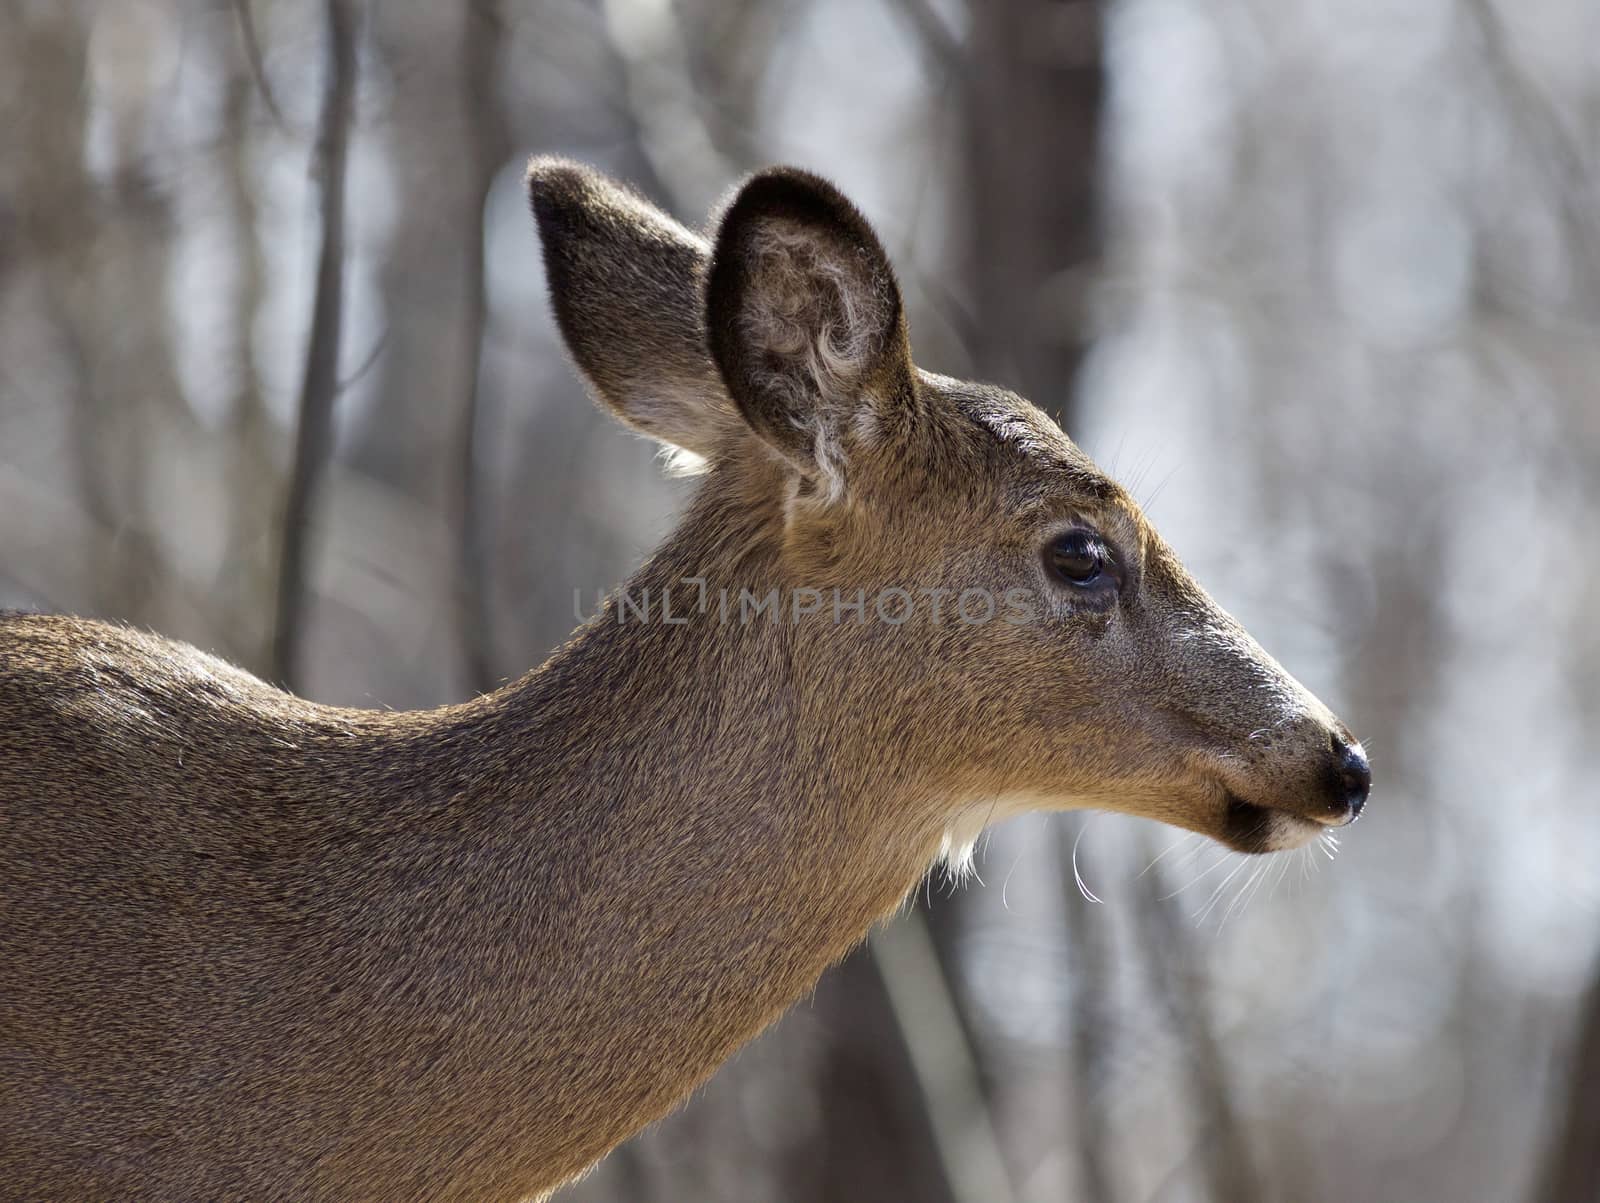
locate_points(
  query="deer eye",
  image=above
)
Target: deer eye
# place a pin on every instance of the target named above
(1077, 557)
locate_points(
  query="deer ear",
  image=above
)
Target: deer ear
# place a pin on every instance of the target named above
(626, 283)
(805, 323)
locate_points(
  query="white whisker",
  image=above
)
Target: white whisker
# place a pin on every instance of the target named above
(1077, 876)
(1272, 874)
(1217, 893)
(1283, 873)
(1173, 847)
(1006, 905)
(1237, 901)
(1203, 874)
(1261, 877)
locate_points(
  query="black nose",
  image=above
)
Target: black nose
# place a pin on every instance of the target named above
(1355, 776)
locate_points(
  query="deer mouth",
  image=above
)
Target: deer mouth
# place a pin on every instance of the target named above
(1250, 827)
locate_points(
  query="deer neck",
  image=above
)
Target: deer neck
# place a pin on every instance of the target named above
(691, 735)
(692, 839)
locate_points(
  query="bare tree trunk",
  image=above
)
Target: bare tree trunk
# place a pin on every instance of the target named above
(1572, 1171)
(432, 148)
(1178, 984)
(491, 143)
(876, 1142)
(1035, 96)
(1033, 172)
(1089, 1034)
(943, 1061)
(247, 572)
(114, 323)
(54, 217)
(313, 439)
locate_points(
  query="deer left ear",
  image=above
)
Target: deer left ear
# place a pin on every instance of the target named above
(626, 282)
(805, 322)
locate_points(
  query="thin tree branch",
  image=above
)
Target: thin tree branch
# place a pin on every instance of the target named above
(248, 565)
(665, 107)
(1176, 984)
(1036, 98)
(938, 45)
(320, 385)
(943, 1061)
(490, 142)
(1572, 1169)
(1089, 1043)
(252, 54)
(1540, 123)
(367, 363)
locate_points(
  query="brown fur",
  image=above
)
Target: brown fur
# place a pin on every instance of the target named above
(259, 948)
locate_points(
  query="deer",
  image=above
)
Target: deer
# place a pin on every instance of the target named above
(255, 947)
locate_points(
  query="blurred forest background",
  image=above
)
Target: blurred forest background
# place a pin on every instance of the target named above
(1318, 278)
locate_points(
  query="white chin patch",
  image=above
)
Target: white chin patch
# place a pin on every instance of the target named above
(1287, 833)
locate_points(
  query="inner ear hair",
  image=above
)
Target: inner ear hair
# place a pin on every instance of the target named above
(804, 317)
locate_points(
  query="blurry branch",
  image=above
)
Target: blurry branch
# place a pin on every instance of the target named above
(1035, 95)
(55, 544)
(120, 337)
(732, 60)
(664, 104)
(1575, 186)
(252, 54)
(938, 45)
(1178, 985)
(1572, 1173)
(247, 568)
(943, 1061)
(1034, 100)
(368, 362)
(123, 402)
(491, 141)
(1089, 1034)
(320, 384)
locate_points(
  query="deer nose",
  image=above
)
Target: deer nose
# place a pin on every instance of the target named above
(1354, 774)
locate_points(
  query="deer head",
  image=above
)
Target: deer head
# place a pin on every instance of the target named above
(461, 953)
(963, 593)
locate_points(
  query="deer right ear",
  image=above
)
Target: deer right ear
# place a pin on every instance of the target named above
(625, 281)
(805, 322)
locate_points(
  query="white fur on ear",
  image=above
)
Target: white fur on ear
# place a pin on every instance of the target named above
(814, 316)
(804, 321)
(678, 462)
(817, 319)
